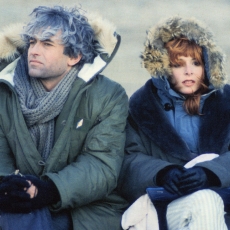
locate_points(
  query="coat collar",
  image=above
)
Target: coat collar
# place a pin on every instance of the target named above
(148, 114)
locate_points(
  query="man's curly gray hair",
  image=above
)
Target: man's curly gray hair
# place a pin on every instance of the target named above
(77, 36)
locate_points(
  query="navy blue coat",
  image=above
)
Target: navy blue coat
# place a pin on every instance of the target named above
(152, 142)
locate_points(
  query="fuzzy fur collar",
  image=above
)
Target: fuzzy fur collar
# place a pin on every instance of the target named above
(148, 115)
(155, 58)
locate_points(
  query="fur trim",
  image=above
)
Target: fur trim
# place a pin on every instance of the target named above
(104, 33)
(155, 58)
(11, 42)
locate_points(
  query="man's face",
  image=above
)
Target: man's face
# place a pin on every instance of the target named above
(46, 59)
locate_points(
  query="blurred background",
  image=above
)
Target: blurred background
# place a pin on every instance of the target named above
(132, 19)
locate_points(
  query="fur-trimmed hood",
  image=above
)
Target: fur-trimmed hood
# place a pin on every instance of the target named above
(11, 45)
(155, 57)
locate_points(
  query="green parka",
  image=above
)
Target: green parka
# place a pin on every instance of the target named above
(88, 151)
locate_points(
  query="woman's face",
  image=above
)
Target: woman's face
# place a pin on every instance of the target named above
(187, 76)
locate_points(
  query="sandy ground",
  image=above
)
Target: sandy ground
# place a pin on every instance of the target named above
(132, 18)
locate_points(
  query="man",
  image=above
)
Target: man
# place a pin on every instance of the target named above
(62, 123)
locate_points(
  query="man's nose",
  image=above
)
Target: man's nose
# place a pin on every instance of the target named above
(34, 49)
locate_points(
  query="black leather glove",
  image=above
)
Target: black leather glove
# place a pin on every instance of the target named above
(19, 200)
(193, 179)
(169, 179)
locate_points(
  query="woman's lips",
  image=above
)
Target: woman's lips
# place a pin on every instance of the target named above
(188, 82)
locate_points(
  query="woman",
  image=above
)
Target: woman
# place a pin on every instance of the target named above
(179, 114)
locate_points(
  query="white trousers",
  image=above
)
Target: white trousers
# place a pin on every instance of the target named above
(201, 210)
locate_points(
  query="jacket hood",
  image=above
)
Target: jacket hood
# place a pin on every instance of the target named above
(11, 45)
(155, 57)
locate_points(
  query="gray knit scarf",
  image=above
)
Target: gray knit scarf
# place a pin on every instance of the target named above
(40, 107)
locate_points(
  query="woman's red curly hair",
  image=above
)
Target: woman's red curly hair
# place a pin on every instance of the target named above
(184, 47)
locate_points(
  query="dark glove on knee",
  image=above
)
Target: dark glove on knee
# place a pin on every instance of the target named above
(169, 179)
(14, 198)
(196, 178)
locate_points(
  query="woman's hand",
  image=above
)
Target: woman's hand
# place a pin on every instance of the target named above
(193, 179)
(169, 178)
